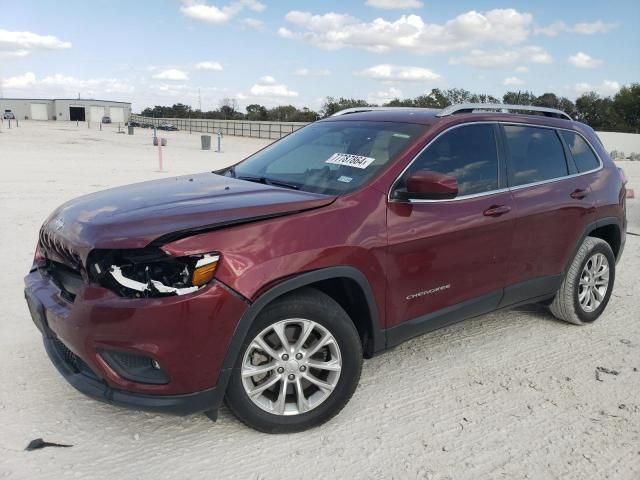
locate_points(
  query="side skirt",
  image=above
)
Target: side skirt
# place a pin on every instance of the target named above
(531, 291)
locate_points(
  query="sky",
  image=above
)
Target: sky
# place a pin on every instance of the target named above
(298, 52)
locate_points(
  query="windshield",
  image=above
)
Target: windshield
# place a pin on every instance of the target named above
(328, 157)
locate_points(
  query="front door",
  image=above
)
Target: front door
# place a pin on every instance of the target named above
(448, 258)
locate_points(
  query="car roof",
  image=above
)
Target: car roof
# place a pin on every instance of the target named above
(429, 116)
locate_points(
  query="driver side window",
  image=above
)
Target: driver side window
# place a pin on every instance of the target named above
(468, 153)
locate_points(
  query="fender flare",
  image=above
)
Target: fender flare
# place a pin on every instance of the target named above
(288, 285)
(602, 222)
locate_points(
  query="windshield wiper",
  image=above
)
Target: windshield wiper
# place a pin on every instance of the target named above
(268, 181)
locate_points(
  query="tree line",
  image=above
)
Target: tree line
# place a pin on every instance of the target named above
(620, 112)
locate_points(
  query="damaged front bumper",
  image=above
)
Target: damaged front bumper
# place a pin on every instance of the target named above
(186, 336)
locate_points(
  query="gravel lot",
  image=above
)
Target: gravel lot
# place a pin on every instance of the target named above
(508, 395)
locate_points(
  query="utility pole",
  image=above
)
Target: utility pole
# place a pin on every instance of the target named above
(199, 100)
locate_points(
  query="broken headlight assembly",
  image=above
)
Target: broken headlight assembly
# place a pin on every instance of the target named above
(148, 273)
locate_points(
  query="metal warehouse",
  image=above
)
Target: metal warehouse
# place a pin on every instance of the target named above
(66, 109)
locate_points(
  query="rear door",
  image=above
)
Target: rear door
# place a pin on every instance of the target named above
(448, 258)
(554, 205)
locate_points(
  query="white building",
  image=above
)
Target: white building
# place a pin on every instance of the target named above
(66, 109)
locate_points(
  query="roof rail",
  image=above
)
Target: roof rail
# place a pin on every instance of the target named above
(472, 107)
(347, 111)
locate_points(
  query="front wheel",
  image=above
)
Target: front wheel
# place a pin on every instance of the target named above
(587, 286)
(299, 367)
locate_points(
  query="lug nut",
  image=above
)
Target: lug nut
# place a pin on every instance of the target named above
(280, 369)
(303, 368)
(291, 376)
(298, 356)
(285, 357)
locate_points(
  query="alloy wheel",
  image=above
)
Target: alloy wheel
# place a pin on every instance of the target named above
(291, 367)
(594, 282)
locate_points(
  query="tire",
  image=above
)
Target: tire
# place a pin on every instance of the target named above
(572, 303)
(339, 365)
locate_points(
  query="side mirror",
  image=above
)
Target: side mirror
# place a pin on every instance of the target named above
(427, 185)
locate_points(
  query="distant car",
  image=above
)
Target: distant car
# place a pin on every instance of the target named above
(106, 119)
(8, 115)
(134, 124)
(167, 126)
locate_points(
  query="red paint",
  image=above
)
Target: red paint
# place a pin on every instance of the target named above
(471, 246)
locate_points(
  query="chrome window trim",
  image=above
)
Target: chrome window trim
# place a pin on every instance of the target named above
(500, 190)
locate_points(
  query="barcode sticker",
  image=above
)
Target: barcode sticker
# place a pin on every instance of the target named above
(350, 160)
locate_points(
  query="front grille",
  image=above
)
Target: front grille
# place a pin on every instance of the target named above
(74, 362)
(54, 246)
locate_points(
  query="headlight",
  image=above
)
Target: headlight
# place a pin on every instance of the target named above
(151, 273)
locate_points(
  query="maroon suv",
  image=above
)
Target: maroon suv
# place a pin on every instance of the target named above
(268, 282)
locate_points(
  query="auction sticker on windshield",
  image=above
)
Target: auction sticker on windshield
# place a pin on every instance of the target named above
(350, 160)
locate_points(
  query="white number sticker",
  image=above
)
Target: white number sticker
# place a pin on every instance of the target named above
(350, 160)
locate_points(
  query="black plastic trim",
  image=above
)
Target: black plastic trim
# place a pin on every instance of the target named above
(443, 318)
(535, 288)
(602, 222)
(175, 404)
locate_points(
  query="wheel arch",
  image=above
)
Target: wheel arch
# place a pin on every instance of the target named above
(608, 229)
(331, 281)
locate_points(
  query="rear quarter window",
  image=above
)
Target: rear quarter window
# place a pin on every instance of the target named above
(535, 154)
(582, 153)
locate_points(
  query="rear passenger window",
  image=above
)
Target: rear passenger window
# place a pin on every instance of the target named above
(467, 153)
(582, 154)
(536, 154)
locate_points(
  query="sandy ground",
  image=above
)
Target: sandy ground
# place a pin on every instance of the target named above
(508, 395)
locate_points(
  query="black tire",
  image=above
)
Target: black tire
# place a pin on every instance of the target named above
(318, 307)
(566, 304)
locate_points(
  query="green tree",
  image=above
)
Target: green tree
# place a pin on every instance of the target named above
(626, 107)
(256, 112)
(332, 105)
(518, 98)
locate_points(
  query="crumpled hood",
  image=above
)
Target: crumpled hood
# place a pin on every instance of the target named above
(135, 215)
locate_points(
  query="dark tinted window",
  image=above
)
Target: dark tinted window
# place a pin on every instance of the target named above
(536, 154)
(582, 154)
(467, 153)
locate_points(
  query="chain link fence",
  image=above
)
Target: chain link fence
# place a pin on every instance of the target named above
(239, 128)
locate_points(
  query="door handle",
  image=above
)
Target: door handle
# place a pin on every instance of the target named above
(578, 193)
(496, 210)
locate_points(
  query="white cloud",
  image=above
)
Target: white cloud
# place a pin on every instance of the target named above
(607, 87)
(21, 44)
(334, 31)
(267, 87)
(556, 28)
(522, 69)
(399, 73)
(385, 96)
(582, 60)
(211, 66)
(218, 15)
(513, 82)
(253, 23)
(307, 72)
(19, 81)
(58, 85)
(172, 74)
(502, 58)
(395, 4)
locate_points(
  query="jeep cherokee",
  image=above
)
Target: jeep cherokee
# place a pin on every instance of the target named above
(266, 283)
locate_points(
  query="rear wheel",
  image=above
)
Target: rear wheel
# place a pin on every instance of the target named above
(587, 287)
(299, 367)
